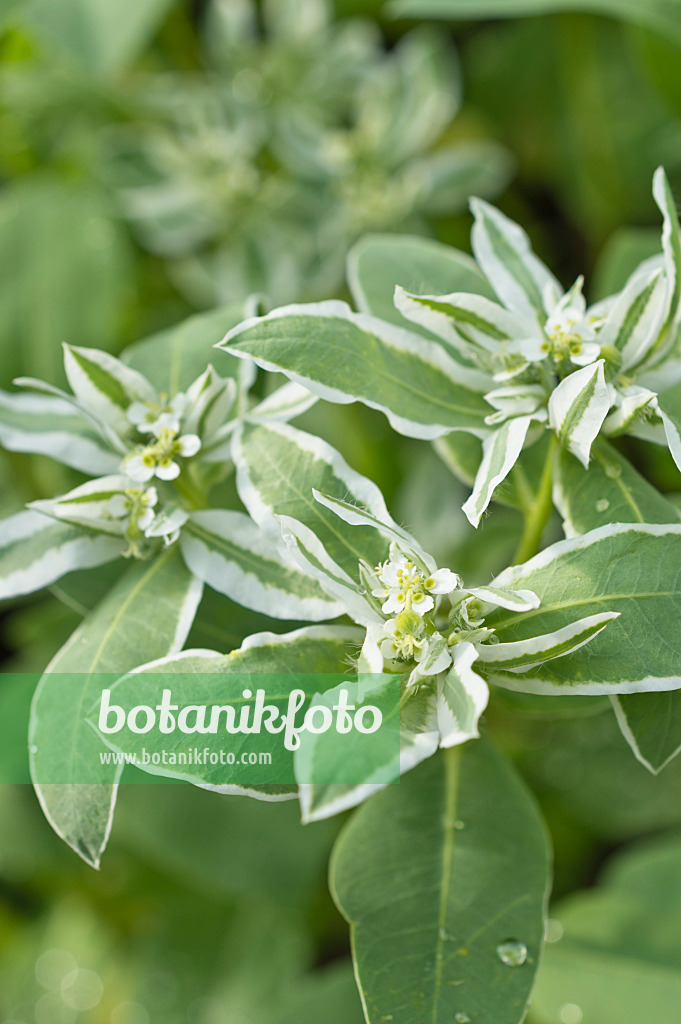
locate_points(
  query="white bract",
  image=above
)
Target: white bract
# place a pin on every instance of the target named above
(554, 362)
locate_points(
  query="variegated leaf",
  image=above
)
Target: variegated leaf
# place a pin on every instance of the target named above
(577, 409)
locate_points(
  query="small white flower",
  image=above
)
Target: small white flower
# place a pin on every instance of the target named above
(408, 587)
(158, 458)
(153, 417)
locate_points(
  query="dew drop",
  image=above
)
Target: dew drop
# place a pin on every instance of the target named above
(602, 505)
(388, 1017)
(570, 1013)
(459, 825)
(612, 470)
(512, 953)
(553, 931)
(462, 1018)
(34, 748)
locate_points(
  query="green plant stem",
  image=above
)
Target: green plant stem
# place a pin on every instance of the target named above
(537, 516)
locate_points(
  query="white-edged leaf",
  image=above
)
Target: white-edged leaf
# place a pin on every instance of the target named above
(577, 409)
(35, 551)
(208, 677)
(669, 408)
(99, 422)
(105, 384)
(514, 600)
(461, 698)
(523, 654)
(343, 356)
(671, 245)
(356, 516)
(500, 452)
(633, 569)
(147, 614)
(636, 317)
(651, 725)
(504, 253)
(87, 505)
(232, 555)
(419, 737)
(277, 468)
(466, 322)
(310, 554)
(47, 425)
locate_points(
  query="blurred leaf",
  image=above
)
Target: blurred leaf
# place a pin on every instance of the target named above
(380, 262)
(329, 995)
(174, 358)
(662, 15)
(147, 614)
(100, 36)
(651, 724)
(617, 961)
(65, 277)
(442, 877)
(225, 844)
(620, 257)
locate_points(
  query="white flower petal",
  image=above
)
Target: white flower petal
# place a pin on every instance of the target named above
(189, 445)
(137, 469)
(167, 470)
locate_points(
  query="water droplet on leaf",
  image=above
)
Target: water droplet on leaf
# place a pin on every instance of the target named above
(570, 1013)
(602, 505)
(512, 952)
(459, 825)
(462, 1018)
(613, 471)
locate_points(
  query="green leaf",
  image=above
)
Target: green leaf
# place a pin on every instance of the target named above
(661, 15)
(35, 551)
(103, 383)
(669, 405)
(174, 358)
(329, 995)
(504, 254)
(147, 614)
(617, 958)
(100, 36)
(610, 491)
(671, 243)
(434, 875)
(630, 569)
(577, 409)
(47, 425)
(378, 263)
(500, 452)
(207, 678)
(230, 553)
(277, 468)
(344, 356)
(651, 725)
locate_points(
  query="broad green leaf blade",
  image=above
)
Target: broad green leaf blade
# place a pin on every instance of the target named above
(343, 357)
(504, 254)
(617, 958)
(99, 36)
(500, 452)
(378, 263)
(661, 15)
(630, 569)
(310, 651)
(47, 425)
(577, 409)
(230, 553)
(277, 468)
(610, 491)
(435, 876)
(174, 358)
(35, 551)
(651, 725)
(105, 384)
(147, 614)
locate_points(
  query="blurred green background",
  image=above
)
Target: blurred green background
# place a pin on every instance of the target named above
(160, 157)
